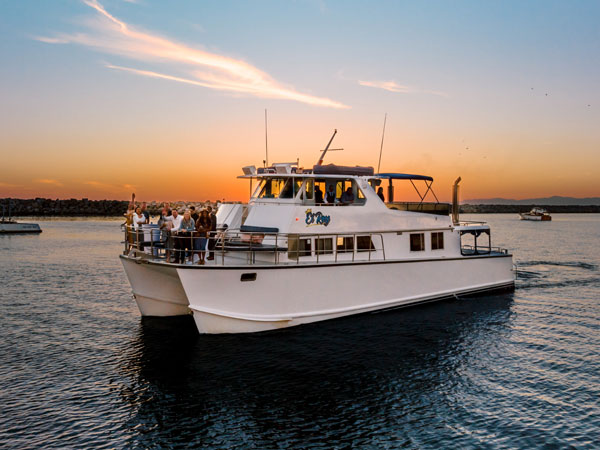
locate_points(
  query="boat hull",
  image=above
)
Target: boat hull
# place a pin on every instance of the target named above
(284, 296)
(17, 228)
(544, 218)
(156, 288)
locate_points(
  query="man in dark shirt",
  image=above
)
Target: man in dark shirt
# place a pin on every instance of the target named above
(318, 195)
(195, 215)
(330, 196)
(213, 233)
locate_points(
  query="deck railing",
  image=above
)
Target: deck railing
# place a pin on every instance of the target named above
(254, 247)
(268, 248)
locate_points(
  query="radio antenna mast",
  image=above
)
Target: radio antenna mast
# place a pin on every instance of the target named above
(326, 148)
(266, 142)
(382, 136)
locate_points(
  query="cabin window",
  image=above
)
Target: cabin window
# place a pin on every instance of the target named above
(417, 242)
(298, 246)
(345, 244)
(437, 241)
(347, 192)
(272, 187)
(324, 246)
(309, 189)
(291, 188)
(364, 244)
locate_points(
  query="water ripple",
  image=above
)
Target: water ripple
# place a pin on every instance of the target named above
(80, 369)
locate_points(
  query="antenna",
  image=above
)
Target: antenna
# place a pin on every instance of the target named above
(382, 136)
(326, 148)
(266, 142)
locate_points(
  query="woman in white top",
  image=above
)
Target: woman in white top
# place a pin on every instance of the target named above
(138, 218)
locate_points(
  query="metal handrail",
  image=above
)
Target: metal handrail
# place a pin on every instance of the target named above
(484, 250)
(244, 242)
(234, 242)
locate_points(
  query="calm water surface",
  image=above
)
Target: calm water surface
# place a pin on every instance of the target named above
(79, 368)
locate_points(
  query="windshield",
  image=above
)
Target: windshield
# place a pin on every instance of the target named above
(279, 187)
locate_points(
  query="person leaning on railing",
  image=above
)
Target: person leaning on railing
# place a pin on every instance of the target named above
(175, 220)
(165, 223)
(129, 222)
(138, 219)
(203, 227)
(184, 237)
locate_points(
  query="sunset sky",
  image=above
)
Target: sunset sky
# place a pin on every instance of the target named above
(167, 99)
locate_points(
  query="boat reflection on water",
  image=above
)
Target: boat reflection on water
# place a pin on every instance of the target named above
(342, 379)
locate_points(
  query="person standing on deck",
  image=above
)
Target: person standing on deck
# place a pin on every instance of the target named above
(202, 229)
(145, 212)
(184, 237)
(212, 240)
(195, 214)
(175, 220)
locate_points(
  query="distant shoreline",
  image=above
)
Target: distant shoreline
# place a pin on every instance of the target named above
(515, 209)
(40, 207)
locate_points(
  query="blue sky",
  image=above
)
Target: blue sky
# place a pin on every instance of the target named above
(508, 89)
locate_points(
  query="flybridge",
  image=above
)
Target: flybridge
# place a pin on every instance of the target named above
(289, 169)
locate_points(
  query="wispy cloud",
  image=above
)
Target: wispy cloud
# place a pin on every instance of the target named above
(48, 181)
(109, 34)
(110, 187)
(51, 40)
(392, 86)
(8, 185)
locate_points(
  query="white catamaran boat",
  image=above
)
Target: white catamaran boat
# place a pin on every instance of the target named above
(300, 255)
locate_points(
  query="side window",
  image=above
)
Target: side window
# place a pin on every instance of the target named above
(324, 246)
(309, 189)
(339, 189)
(272, 188)
(345, 244)
(291, 188)
(364, 244)
(298, 246)
(437, 241)
(417, 242)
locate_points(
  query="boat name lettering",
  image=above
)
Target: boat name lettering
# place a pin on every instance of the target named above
(316, 218)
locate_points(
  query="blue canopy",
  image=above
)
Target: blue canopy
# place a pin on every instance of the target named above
(402, 176)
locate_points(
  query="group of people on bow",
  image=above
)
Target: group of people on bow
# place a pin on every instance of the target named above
(186, 237)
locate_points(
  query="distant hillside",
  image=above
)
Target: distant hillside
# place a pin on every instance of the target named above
(548, 201)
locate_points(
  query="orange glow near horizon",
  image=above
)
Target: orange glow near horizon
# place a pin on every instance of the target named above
(171, 164)
(191, 175)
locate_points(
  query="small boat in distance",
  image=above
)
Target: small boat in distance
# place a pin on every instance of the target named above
(10, 226)
(536, 214)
